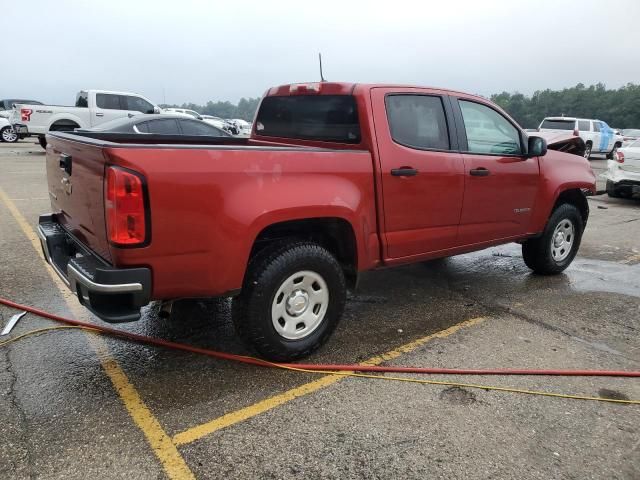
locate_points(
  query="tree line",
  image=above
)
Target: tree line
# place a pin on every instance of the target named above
(619, 108)
(244, 109)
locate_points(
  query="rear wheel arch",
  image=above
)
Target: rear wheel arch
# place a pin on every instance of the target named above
(335, 234)
(63, 125)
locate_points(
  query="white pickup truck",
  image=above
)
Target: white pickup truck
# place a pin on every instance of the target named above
(92, 108)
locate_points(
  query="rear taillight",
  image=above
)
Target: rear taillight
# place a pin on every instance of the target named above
(125, 208)
(576, 133)
(619, 157)
(25, 114)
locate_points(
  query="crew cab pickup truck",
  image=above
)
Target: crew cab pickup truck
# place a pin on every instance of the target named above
(335, 179)
(92, 108)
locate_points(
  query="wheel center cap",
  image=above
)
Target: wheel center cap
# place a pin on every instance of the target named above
(297, 302)
(559, 240)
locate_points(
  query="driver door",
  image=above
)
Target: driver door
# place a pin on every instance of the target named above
(500, 182)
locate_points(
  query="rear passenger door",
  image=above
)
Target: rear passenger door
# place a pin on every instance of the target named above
(597, 137)
(108, 106)
(500, 182)
(421, 171)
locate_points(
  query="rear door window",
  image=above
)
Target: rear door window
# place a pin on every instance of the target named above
(418, 121)
(584, 125)
(488, 131)
(165, 126)
(330, 118)
(108, 101)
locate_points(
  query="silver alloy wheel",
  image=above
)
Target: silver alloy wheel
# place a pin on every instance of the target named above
(9, 135)
(300, 305)
(562, 240)
(587, 152)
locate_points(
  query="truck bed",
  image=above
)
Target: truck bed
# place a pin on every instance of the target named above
(208, 200)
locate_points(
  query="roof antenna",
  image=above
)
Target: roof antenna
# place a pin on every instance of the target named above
(320, 60)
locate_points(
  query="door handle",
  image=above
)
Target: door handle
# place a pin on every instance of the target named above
(99, 114)
(65, 163)
(404, 172)
(479, 172)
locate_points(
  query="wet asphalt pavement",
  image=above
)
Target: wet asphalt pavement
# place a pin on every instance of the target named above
(62, 414)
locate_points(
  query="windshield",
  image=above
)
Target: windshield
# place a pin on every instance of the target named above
(558, 124)
(329, 118)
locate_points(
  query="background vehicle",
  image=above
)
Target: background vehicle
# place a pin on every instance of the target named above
(630, 135)
(597, 135)
(7, 133)
(6, 105)
(161, 124)
(218, 122)
(183, 111)
(283, 221)
(623, 173)
(92, 108)
(244, 127)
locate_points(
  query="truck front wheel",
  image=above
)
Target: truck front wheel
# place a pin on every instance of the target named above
(554, 251)
(42, 140)
(291, 301)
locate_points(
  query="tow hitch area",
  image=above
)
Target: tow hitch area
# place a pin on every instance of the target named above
(114, 295)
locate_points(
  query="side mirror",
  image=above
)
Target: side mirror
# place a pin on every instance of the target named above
(156, 110)
(537, 147)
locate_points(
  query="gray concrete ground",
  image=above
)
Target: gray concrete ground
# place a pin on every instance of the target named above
(62, 417)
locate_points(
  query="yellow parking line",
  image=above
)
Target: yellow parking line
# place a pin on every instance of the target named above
(197, 432)
(174, 465)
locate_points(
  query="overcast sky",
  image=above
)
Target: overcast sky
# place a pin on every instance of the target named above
(197, 51)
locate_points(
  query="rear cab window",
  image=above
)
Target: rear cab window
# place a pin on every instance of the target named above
(558, 124)
(328, 118)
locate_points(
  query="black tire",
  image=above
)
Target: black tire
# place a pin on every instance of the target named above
(612, 154)
(612, 191)
(268, 271)
(538, 252)
(43, 142)
(587, 150)
(7, 134)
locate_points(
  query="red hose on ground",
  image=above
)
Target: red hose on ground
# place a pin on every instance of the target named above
(316, 367)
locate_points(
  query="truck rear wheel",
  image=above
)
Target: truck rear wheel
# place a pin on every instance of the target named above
(291, 301)
(554, 251)
(43, 142)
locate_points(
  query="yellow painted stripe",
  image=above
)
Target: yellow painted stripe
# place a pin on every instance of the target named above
(197, 432)
(172, 462)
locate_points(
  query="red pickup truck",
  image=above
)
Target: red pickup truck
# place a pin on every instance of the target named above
(335, 179)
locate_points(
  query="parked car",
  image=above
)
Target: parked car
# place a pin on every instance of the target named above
(285, 220)
(7, 133)
(183, 111)
(92, 108)
(218, 122)
(244, 127)
(161, 124)
(630, 135)
(623, 173)
(597, 135)
(6, 105)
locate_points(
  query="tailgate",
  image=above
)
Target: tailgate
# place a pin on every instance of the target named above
(75, 174)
